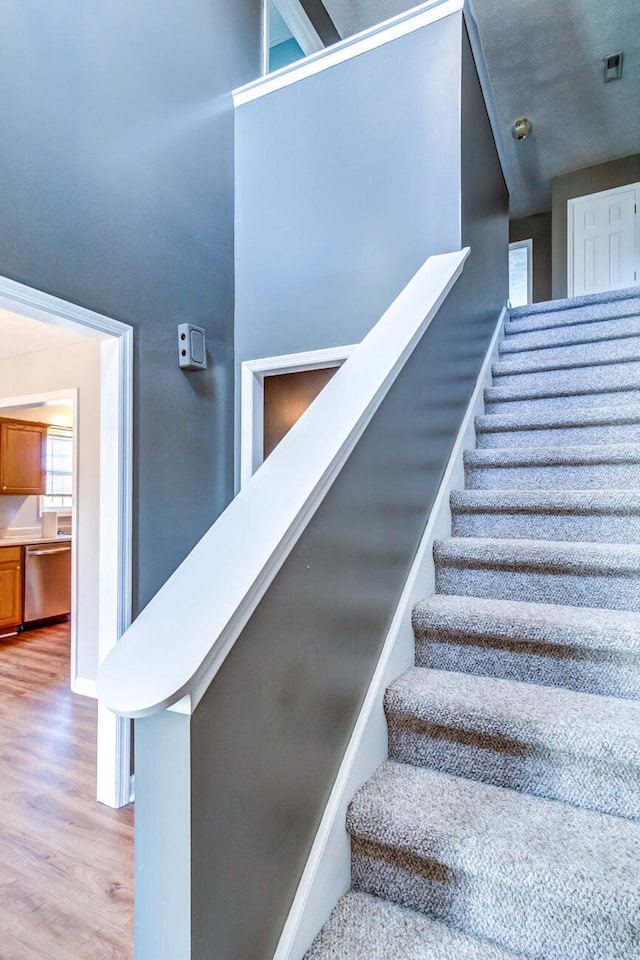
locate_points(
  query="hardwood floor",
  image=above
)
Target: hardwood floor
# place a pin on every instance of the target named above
(66, 861)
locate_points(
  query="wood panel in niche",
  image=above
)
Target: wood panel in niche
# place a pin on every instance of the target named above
(286, 397)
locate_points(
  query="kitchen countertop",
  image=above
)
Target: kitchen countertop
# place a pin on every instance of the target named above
(25, 541)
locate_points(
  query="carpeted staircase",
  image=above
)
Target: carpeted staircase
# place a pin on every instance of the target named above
(506, 822)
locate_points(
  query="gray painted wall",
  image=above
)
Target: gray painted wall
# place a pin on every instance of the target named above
(116, 193)
(332, 221)
(580, 183)
(538, 229)
(269, 735)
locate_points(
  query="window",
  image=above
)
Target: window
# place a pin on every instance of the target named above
(520, 272)
(283, 47)
(59, 467)
(290, 35)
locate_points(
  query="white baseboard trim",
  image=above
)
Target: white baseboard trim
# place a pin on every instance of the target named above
(327, 874)
(84, 687)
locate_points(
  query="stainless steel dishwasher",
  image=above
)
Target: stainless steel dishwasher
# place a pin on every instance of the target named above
(47, 580)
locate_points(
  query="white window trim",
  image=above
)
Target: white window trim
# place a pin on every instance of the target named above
(528, 245)
(252, 396)
(61, 511)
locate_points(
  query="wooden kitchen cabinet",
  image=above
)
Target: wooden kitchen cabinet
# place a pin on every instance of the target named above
(22, 457)
(10, 589)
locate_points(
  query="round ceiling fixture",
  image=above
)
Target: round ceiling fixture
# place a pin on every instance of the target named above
(521, 129)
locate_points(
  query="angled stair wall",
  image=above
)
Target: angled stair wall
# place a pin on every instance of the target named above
(506, 821)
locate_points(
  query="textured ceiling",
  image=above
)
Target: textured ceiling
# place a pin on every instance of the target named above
(544, 59)
(20, 335)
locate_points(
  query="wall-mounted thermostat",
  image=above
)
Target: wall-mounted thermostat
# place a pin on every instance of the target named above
(192, 349)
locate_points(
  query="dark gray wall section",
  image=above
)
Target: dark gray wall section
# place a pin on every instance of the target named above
(324, 25)
(269, 735)
(162, 910)
(346, 182)
(484, 285)
(580, 183)
(116, 193)
(538, 229)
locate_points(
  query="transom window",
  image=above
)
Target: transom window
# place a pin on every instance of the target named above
(290, 35)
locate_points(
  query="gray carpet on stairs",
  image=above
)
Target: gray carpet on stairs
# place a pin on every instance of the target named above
(589, 515)
(363, 927)
(536, 876)
(506, 823)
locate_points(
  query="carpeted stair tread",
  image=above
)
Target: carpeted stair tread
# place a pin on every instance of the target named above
(562, 455)
(533, 875)
(587, 515)
(510, 554)
(362, 927)
(616, 303)
(576, 573)
(560, 396)
(598, 415)
(607, 631)
(578, 502)
(575, 747)
(577, 467)
(608, 352)
(578, 648)
(588, 332)
(619, 423)
(615, 374)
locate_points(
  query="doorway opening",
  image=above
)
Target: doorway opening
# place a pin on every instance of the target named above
(521, 273)
(101, 525)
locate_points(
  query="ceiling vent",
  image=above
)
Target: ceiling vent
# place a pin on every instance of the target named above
(613, 67)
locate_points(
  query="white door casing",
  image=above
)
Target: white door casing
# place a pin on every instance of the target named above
(603, 241)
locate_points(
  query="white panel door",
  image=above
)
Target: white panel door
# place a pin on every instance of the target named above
(603, 241)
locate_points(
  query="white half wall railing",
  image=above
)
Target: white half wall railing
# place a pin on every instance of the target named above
(173, 650)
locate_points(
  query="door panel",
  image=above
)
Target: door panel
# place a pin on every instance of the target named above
(604, 255)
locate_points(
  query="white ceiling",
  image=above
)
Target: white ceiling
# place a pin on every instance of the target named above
(544, 59)
(21, 335)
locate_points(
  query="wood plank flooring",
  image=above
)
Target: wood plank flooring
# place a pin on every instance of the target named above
(66, 861)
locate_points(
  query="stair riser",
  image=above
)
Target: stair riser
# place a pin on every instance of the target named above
(560, 436)
(615, 591)
(615, 476)
(550, 526)
(485, 906)
(613, 374)
(551, 405)
(563, 318)
(576, 668)
(518, 342)
(525, 767)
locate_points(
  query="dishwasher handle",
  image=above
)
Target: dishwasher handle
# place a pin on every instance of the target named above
(48, 553)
